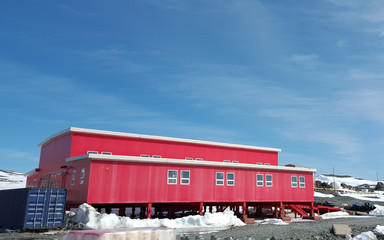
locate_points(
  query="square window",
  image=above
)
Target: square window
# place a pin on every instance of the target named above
(302, 182)
(172, 177)
(144, 155)
(259, 180)
(156, 156)
(226, 161)
(184, 177)
(92, 152)
(188, 158)
(199, 159)
(267, 164)
(106, 153)
(219, 178)
(231, 179)
(294, 181)
(268, 180)
(235, 161)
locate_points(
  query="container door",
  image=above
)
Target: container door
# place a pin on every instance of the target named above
(45, 208)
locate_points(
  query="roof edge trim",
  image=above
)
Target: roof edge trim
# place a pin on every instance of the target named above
(150, 137)
(122, 158)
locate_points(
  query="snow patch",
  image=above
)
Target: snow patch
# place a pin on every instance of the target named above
(273, 221)
(337, 214)
(317, 194)
(91, 219)
(363, 236)
(378, 211)
(379, 230)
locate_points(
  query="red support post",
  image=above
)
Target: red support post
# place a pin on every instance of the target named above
(201, 208)
(244, 210)
(312, 213)
(149, 210)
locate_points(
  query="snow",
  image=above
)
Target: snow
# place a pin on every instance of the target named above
(378, 211)
(363, 236)
(10, 180)
(337, 214)
(379, 230)
(346, 180)
(273, 221)
(92, 219)
(317, 194)
(363, 196)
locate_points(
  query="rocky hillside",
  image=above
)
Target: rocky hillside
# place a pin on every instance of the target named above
(10, 179)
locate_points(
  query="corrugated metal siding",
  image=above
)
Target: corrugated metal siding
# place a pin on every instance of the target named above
(135, 147)
(115, 182)
(34, 208)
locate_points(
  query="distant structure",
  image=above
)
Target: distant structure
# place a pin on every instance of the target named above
(155, 174)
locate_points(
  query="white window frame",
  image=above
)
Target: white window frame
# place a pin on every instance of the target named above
(106, 153)
(73, 179)
(302, 182)
(82, 176)
(171, 178)
(185, 180)
(268, 183)
(220, 181)
(92, 152)
(294, 183)
(230, 182)
(259, 183)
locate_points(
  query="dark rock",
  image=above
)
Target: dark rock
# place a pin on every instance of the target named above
(379, 186)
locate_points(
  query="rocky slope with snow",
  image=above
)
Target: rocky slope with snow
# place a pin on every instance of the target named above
(10, 180)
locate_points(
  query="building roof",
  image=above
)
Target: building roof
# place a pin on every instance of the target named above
(121, 158)
(150, 137)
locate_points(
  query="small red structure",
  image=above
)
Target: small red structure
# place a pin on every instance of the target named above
(119, 170)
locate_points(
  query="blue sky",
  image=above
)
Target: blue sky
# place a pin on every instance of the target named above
(303, 76)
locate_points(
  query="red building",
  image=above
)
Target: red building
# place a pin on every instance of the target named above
(113, 169)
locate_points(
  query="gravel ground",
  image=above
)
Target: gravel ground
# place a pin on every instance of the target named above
(307, 230)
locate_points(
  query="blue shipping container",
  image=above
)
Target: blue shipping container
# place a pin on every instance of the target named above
(32, 208)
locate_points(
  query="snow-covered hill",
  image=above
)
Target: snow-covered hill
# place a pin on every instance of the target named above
(348, 180)
(10, 179)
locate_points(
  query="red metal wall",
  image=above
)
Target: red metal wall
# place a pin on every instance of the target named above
(53, 155)
(135, 147)
(121, 182)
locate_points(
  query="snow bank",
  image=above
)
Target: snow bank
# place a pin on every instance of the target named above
(363, 236)
(317, 194)
(378, 211)
(379, 230)
(334, 215)
(91, 219)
